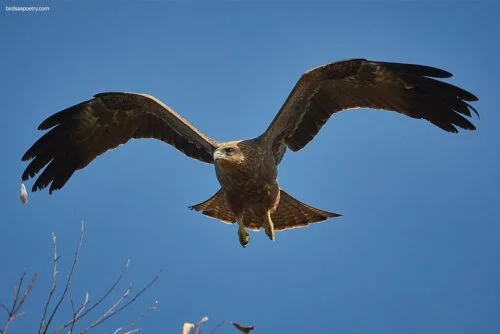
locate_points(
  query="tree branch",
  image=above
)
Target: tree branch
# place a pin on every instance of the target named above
(49, 315)
(18, 301)
(41, 328)
(82, 312)
(68, 281)
(113, 309)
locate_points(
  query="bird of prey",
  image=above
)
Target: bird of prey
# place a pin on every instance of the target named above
(247, 169)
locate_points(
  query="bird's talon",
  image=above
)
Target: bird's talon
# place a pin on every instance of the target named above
(244, 237)
(269, 226)
(270, 232)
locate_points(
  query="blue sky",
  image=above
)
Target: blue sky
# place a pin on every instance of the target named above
(417, 249)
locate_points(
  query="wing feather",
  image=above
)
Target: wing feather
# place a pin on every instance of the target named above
(77, 135)
(358, 83)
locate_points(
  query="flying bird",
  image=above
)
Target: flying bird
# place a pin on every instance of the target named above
(247, 169)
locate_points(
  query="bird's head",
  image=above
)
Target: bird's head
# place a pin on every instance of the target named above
(229, 153)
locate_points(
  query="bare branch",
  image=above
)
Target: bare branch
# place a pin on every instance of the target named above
(137, 295)
(20, 295)
(17, 288)
(82, 312)
(68, 281)
(26, 292)
(133, 325)
(124, 270)
(222, 323)
(119, 331)
(72, 303)
(72, 309)
(109, 312)
(18, 301)
(113, 309)
(42, 328)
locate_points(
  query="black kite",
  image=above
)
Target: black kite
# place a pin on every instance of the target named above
(247, 169)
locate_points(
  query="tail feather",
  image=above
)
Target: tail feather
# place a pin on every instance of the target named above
(216, 207)
(292, 213)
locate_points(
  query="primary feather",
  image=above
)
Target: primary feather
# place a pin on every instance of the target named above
(82, 132)
(358, 83)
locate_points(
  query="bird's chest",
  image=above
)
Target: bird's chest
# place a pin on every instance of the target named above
(253, 187)
(256, 199)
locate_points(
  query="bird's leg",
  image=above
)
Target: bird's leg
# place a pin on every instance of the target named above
(269, 226)
(242, 234)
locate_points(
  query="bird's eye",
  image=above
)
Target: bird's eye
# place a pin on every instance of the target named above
(229, 150)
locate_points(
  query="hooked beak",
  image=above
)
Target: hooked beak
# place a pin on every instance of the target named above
(219, 155)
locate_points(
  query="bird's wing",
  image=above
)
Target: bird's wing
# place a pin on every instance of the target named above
(405, 88)
(80, 133)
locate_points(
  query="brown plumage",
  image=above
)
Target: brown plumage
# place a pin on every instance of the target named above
(247, 169)
(290, 213)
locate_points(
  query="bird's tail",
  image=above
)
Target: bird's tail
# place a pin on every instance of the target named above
(290, 213)
(216, 207)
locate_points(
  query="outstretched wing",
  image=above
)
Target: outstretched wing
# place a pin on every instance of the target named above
(80, 133)
(405, 88)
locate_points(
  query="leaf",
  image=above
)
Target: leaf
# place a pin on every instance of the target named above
(243, 329)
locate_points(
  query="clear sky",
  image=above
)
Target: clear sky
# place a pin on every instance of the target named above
(417, 250)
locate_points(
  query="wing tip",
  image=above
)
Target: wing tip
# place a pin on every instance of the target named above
(27, 156)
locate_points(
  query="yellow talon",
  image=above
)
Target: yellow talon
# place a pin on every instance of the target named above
(243, 236)
(269, 226)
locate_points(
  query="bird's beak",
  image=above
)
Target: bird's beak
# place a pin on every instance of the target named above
(218, 155)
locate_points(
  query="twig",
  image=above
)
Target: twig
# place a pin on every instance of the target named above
(124, 270)
(75, 313)
(137, 295)
(17, 288)
(68, 281)
(222, 323)
(132, 328)
(20, 296)
(112, 310)
(42, 327)
(83, 312)
(16, 310)
(81, 308)
(72, 308)
(119, 331)
(18, 301)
